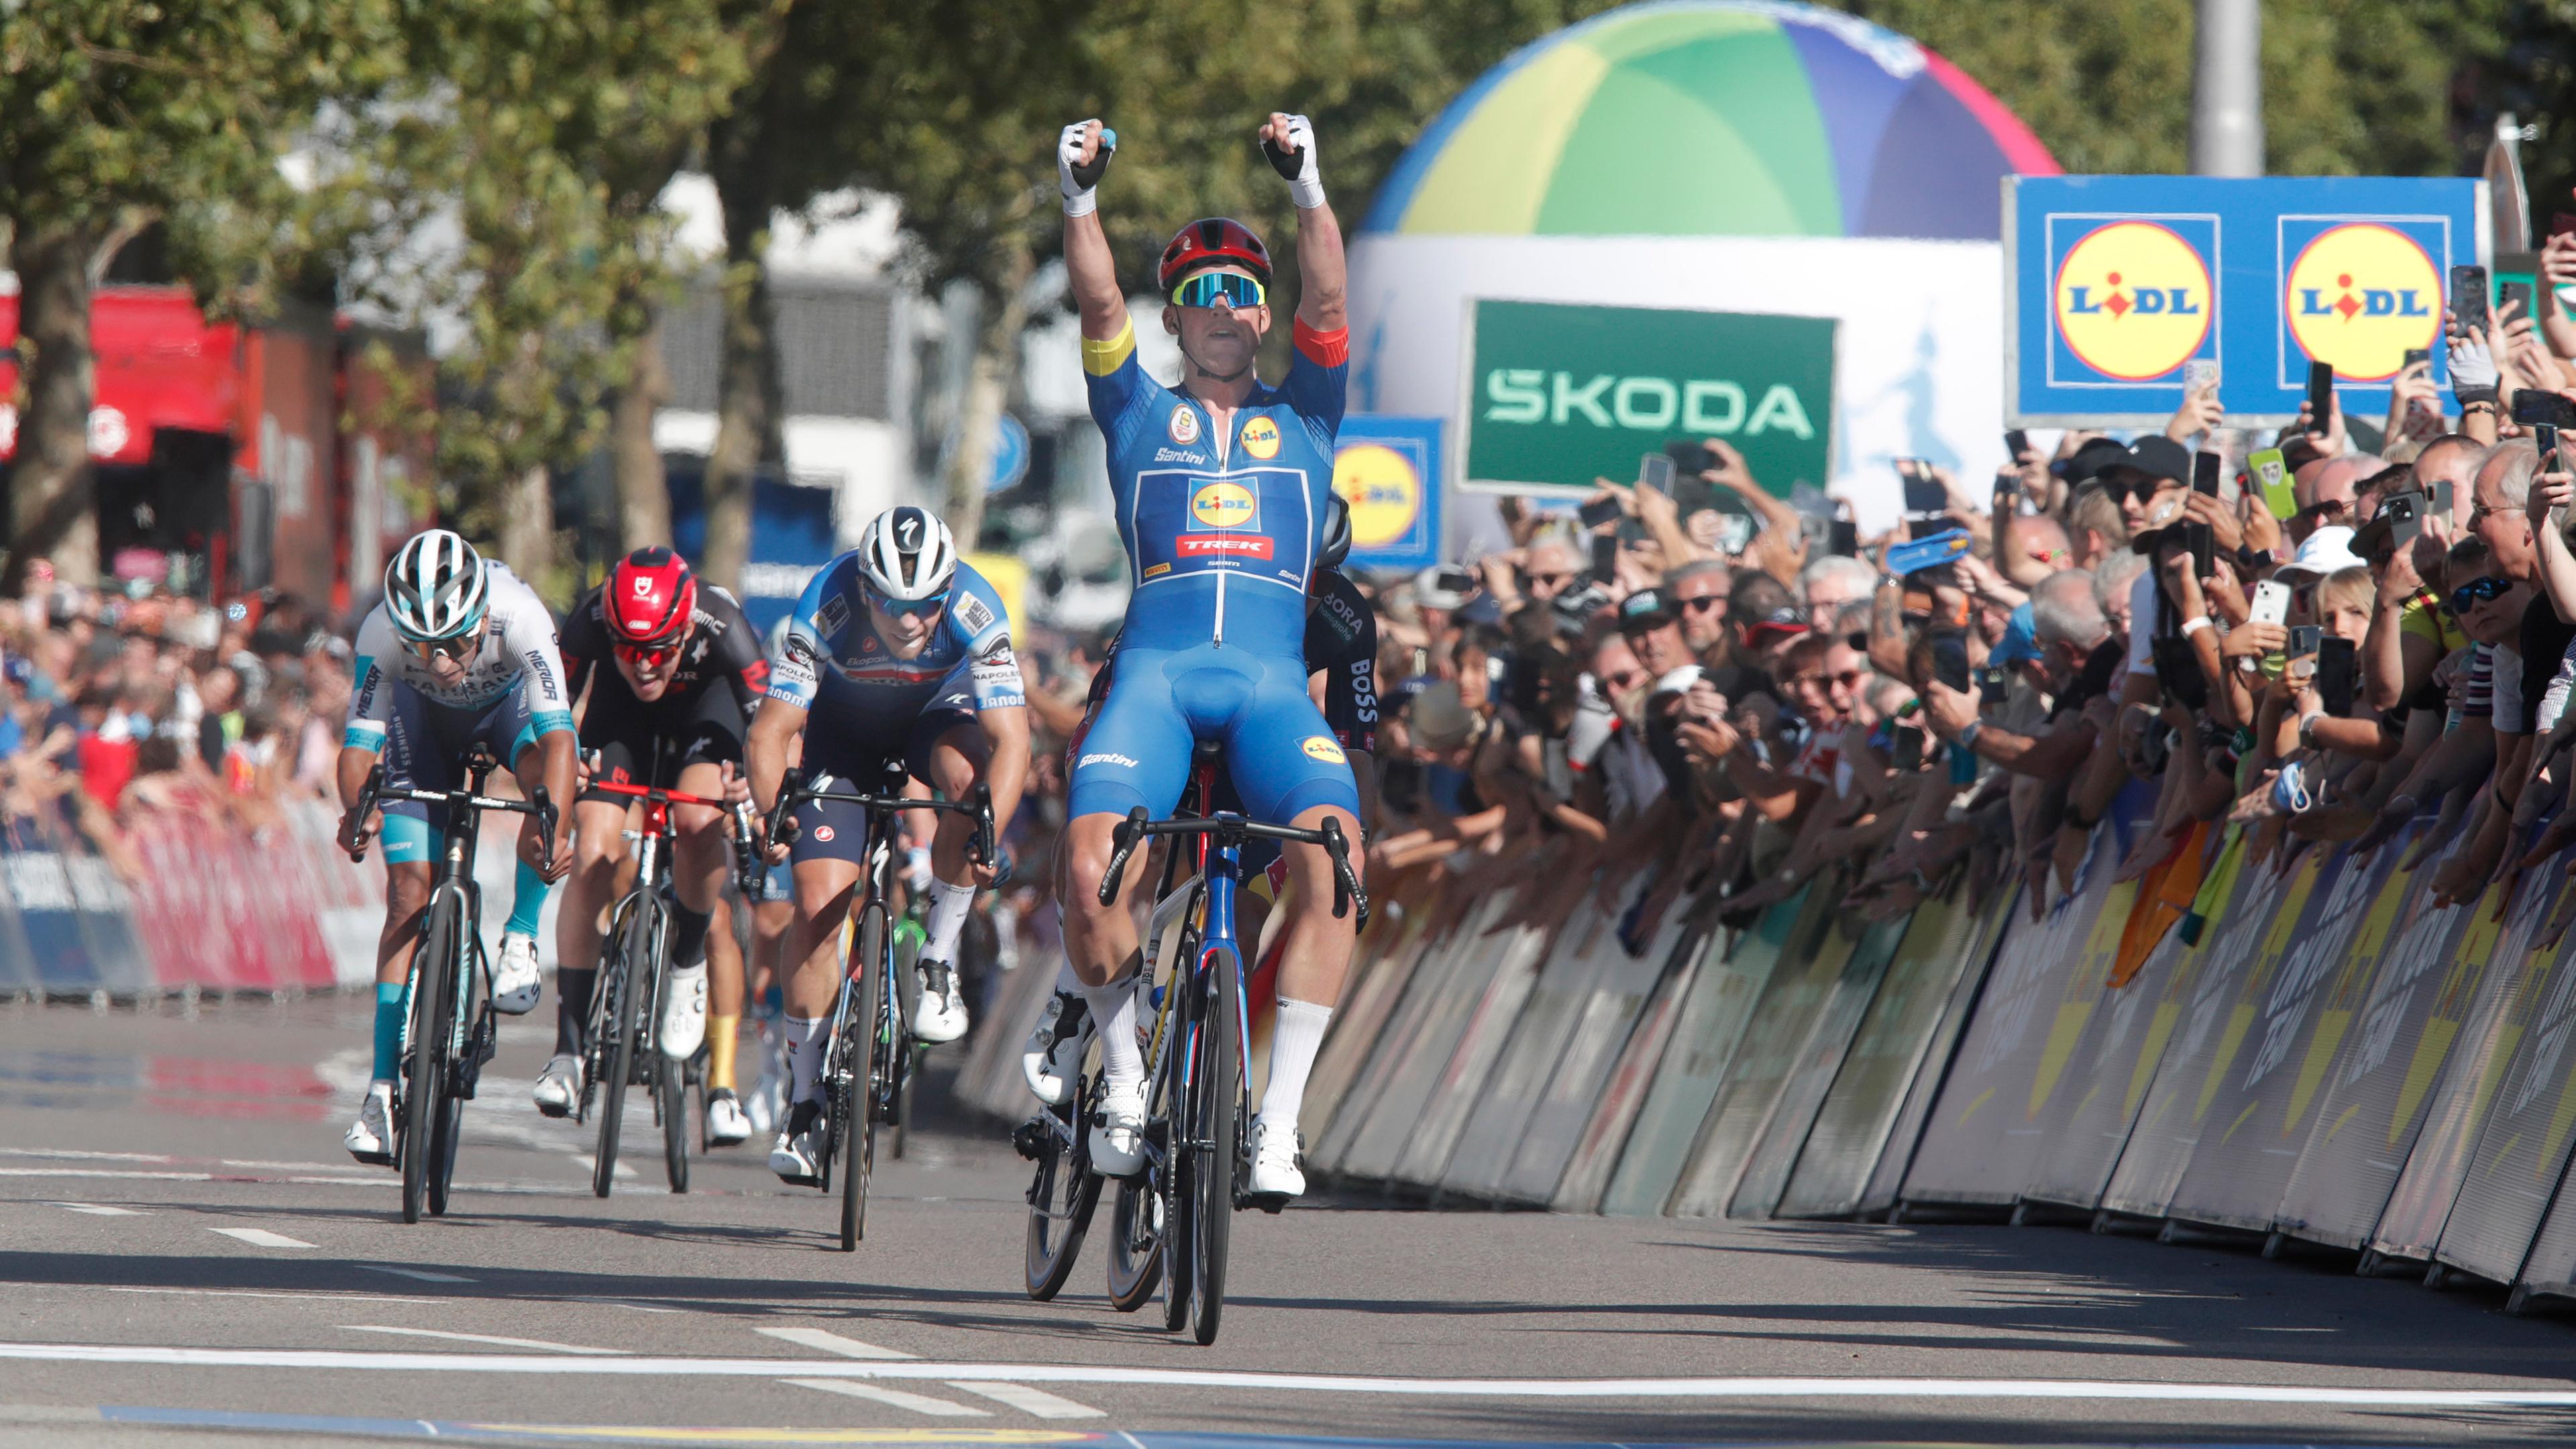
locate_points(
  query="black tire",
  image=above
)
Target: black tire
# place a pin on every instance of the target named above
(675, 1121)
(858, 1067)
(1217, 1094)
(624, 977)
(1062, 1199)
(1172, 1183)
(425, 1081)
(449, 1126)
(1135, 1247)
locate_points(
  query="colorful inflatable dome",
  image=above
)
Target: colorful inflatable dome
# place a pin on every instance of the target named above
(1715, 118)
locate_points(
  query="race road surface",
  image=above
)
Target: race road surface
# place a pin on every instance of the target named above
(188, 1257)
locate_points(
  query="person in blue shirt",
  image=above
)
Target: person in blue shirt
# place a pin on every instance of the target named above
(1220, 487)
(897, 651)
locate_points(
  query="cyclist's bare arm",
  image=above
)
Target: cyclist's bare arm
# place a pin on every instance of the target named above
(1006, 730)
(1089, 265)
(769, 747)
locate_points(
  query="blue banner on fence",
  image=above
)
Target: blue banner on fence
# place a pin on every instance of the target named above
(1388, 470)
(2119, 284)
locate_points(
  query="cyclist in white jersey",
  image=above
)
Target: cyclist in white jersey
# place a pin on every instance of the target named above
(459, 651)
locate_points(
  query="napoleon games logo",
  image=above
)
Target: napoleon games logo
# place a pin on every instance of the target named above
(2132, 300)
(2359, 296)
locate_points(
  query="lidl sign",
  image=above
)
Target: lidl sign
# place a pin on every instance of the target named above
(2117, 286)
(1388, 469)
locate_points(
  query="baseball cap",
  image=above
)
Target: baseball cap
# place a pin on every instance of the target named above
(2324, 552)
(2157, 456)
(1644, 609)
(1783, 620)
(1443, 586)
(2089, 460)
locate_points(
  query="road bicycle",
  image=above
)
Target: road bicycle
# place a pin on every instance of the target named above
(868, 1055)
(449, 1033)
(634, 973)
(1174, 1222)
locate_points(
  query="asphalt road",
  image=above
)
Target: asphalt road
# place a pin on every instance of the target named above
(189, 1257)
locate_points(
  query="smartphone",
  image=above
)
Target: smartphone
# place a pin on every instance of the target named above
(2562, 223)
(2198, 373)
(2405, 515)
(2469, 297)
(1598, 512)
(2271, 473)
(2415, 355)
(2204, 473)
(1922, 491)
(2302, 652)
(2320, 395)
(2442, 502)
(2338, 675)
(1655, 471)
(2514, 292)
(1691, 459)
(1909, 747)
(1605, 557)
(2534, 408)
(1843, 537)
(2204, 548)
(1950, 661)
(2271, 603)
(1991, 683)
(2016, 443)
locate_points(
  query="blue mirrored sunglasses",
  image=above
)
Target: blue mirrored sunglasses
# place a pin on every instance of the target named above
(931, 605)
(1204, 288)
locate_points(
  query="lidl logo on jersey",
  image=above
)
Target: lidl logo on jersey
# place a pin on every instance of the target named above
(1261, 438)
(2132, 300)
(1322, 747)
(1227, 505)
(2359, 295)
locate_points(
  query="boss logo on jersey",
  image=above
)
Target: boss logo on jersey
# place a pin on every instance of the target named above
(1184, 425)
(1321, 747)
(1261, 438)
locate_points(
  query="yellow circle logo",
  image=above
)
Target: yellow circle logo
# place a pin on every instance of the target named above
(1261, 438)
(1322, 747)
(2359, 296)
(1384, 493)
(2133, 300)
(1222, 505)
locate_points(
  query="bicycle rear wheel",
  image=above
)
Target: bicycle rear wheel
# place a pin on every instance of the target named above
(672, 1098)
(1138, 1223)
(1062, 1198)
(425, 1076)
(624, 980)
(859, 1066)
(1211, 1164)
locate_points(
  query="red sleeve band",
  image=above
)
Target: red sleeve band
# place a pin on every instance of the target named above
(1324, 349)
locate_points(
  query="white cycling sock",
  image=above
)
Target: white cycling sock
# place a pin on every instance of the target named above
(948, 907)
(1295, 1035)
(804, 1058)
(1113, 1018)
(1066, 983)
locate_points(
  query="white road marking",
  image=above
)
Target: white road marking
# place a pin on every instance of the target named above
(590, 1163)
(421, 1274)
(2515, 1397)
(830, 1342)
(99, 1210)
(261, 1237)
(622, 1303)
(264, 1293)
(896, 1398)
(1031, 1401)
(490, 1338)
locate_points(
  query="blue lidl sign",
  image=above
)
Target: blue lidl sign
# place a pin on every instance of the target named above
(1388, 470)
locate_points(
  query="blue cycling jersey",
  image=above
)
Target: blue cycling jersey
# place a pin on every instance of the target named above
(831, 659)
(1220, 528)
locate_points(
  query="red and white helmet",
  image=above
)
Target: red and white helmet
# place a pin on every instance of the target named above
(1215, 242)
(649, 599)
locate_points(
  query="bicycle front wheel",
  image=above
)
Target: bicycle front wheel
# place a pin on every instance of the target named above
(1210, 1163)
(623, 978)
(425, 1078)
(859, 1066)
(465, 992)
(673, 1100)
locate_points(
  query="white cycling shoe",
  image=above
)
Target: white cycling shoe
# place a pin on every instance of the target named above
(370, 1139)
(940, 1012)
(727, 1126)
(1118, 1130)
(1274, 1167)
(558, 1088)
(514, 975)
(797, 1155)
(1053, 1056)
(684, 1013)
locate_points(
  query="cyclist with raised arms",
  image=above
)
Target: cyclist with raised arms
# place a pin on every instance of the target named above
(1221, 489)
(897, 651)
(683, 671)
(459, 650)
(1341, 650)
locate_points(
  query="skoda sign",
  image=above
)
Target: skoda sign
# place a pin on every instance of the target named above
(1558, 395)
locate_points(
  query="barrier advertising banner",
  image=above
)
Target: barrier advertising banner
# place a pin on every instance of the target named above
(2117, 285)
(1420, 1041)
(1573, 1082)
(2522, 1150)
(1623, 1095)
(1389, 470)
(1355, 1144)
(1802, 1092)
(1460, 1046)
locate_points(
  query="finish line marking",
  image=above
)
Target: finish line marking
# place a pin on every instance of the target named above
(962, 1373)
(490, 1338)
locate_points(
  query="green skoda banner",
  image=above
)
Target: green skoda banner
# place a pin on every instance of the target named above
(1559, 395)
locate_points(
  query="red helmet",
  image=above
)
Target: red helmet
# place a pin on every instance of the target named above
(649, 598)
(1215, 242)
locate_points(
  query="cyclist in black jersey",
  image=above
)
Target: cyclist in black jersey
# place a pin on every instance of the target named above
(674, 671)
(1341, 657)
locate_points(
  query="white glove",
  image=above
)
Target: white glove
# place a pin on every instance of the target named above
(1079, 200)
(1305, 183)
(2471, 367)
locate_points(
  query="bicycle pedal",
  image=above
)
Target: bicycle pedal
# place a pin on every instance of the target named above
(1030, 1138)
(1273, 1203)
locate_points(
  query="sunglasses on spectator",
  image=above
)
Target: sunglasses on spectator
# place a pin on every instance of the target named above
(1548, 580)
(2324, 506)
(2142, 490)
(1704, 603)
(1625, 679)
(907, 608)
(2477, 591)
(1206, 289)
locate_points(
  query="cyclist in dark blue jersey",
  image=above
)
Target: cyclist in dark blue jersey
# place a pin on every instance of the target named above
(1220, 487)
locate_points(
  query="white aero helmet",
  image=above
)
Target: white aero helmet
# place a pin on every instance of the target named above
(908, 555)
(434, 588)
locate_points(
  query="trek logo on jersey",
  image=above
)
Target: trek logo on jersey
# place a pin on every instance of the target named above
(2359, 296)
(1224, 505)
(1184, 425)
(1205, 545)
(1321, 747)
(1261, 438)
(2133, 300)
